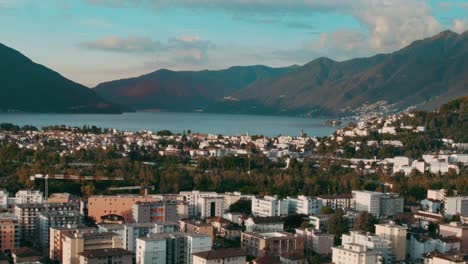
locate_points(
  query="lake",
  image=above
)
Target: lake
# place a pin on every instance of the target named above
(224, 124)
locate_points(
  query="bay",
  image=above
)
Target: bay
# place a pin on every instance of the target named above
(224, 124)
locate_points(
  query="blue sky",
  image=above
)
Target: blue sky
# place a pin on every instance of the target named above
(92, 41)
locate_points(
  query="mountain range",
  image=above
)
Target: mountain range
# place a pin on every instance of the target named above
(424, 74)
(30, 87)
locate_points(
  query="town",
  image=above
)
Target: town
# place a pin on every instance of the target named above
(383, 190)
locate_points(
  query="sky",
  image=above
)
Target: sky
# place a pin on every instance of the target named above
(93, 41)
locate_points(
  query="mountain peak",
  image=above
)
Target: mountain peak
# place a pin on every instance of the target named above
(445, 34)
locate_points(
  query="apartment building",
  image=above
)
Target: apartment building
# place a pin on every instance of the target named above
(52, 219)
(269, 206)
(9, 233)
(371, 242)
(106, 256)
(355, 254)
(210, 206)
(229, 255)
(264, 224)
(457, 205)
(76, 243)
(3, 199)
(396, 234)
(316, 241)
(192, 199)
(171, 248)
(56, 238)
(376, 203)
(157, 211)
(456, 229)
(28, 216)
(336, 201)
(29, 197)
(122, 205)
(196, 227)
(304, 205)
(271, 243)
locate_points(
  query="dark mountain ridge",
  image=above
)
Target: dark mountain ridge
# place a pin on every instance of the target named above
(31, 87)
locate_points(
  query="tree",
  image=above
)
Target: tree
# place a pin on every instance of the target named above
(365, 222)
(327, 210)
(242, 206)
(338, 225)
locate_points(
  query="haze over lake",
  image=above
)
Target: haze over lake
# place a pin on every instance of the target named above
(177, 122)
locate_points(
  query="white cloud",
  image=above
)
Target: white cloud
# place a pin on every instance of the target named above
(460, 25)
(123, 44)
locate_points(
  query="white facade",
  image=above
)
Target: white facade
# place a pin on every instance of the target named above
(151, 250)
(367, 201)
(197, 243)
(3, 199)
(210, 206)
(257, 224)
(456, 205)
(28, 197)
(304, 205)
(396, 234)
(370, 242)
(437, 194)
(192, 199)
(269, 206)
(355, 254)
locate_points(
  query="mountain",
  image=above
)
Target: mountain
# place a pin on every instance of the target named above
(184, 90)
(27, 86)
(426, 73)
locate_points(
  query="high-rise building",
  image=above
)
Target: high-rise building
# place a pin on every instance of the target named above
(76, 243)
(355, 254)
(171, 248)
(269, 206)
(457, 205)
(192, 198)
(56, 239)
(371, 242)
(9, 233)
(367, 201)
(336, 201)
(157, 211)
(3, 199)
(304, 205)
(211, 206)
(396, 234)
(29, 197)
(51, 219)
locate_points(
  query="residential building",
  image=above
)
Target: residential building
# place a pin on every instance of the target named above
(196, 227)
(316, 241)
(264, 224)
(156, 211)
(304, 205)
(431, 205)
(28, 197)
(59, 198)
(396, 234)
(3, 199)
(171, 248)
(100, 206)
(210, 206)
(9, 233)
(52, 219)
(28, 216)
(229, 255)
(269, 206)
(230, 198)
(192, 199)
(457, 205)
(271, 243)
(75, 243)
(106, 256)
(456, 229)
(445, 258)
(165, 227)
(56, 239)
(367, 201)
(26, 255)
(336, 201)
(133, 231)
(355, 254)
(437, 194)
(371, 242)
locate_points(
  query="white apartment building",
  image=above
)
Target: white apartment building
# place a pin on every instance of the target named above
(367, 201)
(3, 199)
(304, 205)
(229, 255)
(456, 205)
(170, 248)
(192, 200)
(355, 254)
(28, 197)
(371, 242)
(231, 198)
(269, 206)
(437, 194)
(210, 206)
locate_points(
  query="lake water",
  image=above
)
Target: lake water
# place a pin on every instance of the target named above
(224, 124)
